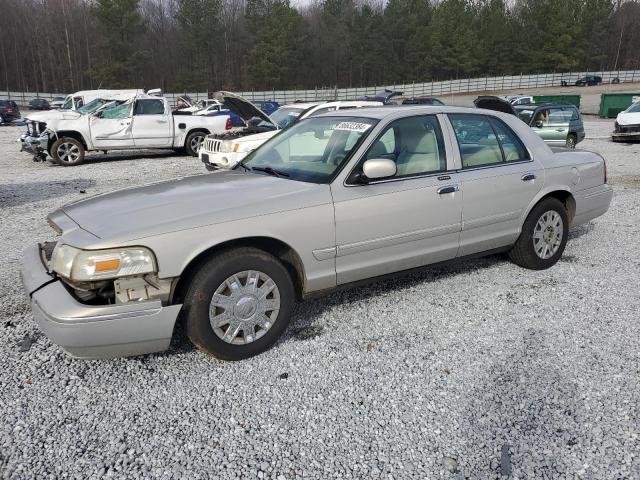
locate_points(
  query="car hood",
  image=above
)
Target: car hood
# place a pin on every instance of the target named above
(241, 106)
(494, 103)
(191, 202)
(628, 118)
(256, 137)
(50, 115)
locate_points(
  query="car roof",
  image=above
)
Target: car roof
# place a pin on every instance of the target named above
(380, 113)
(301, 105)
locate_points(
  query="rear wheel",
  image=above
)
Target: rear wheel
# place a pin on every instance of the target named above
(238, 303)
(572, 141)
(543, 237)
(193, 143)
(67, 151)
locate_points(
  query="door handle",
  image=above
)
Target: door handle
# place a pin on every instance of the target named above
(125, 123)
(448, 189)
(528, 176)
(559, 129)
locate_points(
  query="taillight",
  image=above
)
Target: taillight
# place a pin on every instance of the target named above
(228, 124)
(9, 110)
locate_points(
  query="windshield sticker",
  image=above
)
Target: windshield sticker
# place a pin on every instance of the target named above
(353, 126)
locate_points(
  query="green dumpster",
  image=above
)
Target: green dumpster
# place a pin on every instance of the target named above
(611, 104)
(572, 99)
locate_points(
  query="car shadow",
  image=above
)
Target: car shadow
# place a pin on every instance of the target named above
(119, 157)
(303, 324)
(14, 194)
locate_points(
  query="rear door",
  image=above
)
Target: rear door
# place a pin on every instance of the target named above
(552, 125)
(498, 180)
(152, 123)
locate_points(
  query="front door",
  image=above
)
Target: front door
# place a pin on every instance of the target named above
(552, 125)
(152, 124)
(405, 221)
(111, 128)
(498, 180)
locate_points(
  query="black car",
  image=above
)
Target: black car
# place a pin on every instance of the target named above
(9, 111)
(39, 104)
(588, 80)
(422, 101)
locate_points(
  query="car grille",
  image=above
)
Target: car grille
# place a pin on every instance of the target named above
(627, 128)
(211, 145)
(36, 128)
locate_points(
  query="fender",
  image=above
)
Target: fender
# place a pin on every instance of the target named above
(545, 191)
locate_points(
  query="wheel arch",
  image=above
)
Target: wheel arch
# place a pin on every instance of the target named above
(68, 133)
(279, 249)
(204, 130)
(563, 194)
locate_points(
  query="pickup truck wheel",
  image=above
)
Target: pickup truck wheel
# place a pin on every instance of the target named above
(193, 142)
(67, 151)
(543, 237)
(572, 141)
(238, 303)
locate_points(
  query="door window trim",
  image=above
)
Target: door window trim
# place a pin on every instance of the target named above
(488, 165)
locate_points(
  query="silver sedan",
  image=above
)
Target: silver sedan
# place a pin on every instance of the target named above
(337, 199)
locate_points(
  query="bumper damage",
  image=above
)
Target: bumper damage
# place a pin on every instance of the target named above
(94, 331)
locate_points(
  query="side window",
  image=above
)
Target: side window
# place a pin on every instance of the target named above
(572, 112)
(512, 148)
(416, 145)
(117, 112)
(79, 101)
(477, 141)
(149, 107)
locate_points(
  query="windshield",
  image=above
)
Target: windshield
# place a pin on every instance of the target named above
(68, 103)
(283, 117)
(635, 108)
(311, 150)
(92, 106)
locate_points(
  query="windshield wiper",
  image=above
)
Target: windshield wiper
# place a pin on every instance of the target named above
(271, 171)
(247, 169)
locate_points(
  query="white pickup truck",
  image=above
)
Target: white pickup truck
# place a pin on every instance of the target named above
(142, 122)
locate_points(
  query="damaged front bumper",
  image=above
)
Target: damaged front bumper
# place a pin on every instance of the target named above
(626, 133)
(94, 331)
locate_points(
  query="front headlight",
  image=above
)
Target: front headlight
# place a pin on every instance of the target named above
(90, 265)
(228, 146)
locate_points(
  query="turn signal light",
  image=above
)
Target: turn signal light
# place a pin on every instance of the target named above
(107, 265)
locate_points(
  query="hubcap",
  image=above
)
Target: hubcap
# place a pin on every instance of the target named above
(244, 307)
(547, 236)
(196, 143)
(68, 152)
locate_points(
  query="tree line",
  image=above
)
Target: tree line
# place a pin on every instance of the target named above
(198, 45)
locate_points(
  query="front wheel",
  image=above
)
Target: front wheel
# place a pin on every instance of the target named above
(238, 303)
(67, 151)
(543, 237)
(193, 143)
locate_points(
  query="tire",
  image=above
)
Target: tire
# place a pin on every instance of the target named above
(193, 142)
(572, 141)
(220, 330)
(551, 214)
(73, 148)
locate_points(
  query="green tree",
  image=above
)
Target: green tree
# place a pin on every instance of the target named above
(123, 60)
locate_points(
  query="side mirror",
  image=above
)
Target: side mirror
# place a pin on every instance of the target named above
(376, 168)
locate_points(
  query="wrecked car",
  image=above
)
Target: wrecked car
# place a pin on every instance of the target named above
(142, 122)
(627, 125)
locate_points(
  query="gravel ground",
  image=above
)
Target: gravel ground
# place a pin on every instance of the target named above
(479, 370)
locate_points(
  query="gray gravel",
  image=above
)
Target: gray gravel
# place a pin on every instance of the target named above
(476, 370)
